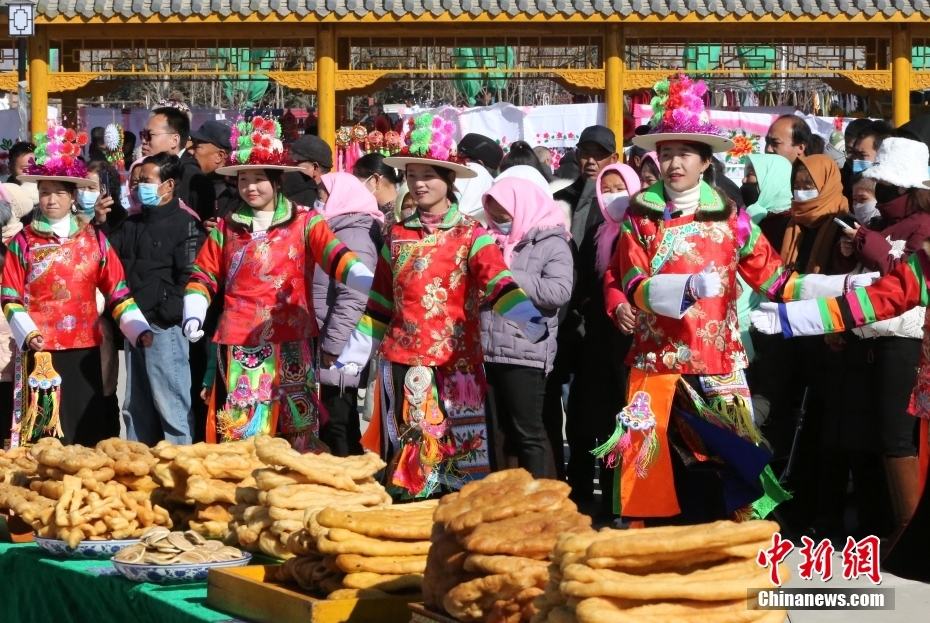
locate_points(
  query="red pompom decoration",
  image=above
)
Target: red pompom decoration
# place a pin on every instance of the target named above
(70, 135)
(67, 160)
(82, 139)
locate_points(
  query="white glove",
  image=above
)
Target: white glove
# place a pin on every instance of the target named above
(707, 283)
(766, 319)
(192, 329)
(535, 329)
(863, 280)
(349, 369)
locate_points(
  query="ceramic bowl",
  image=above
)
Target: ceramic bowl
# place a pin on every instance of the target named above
(85, 549)
(160, 574)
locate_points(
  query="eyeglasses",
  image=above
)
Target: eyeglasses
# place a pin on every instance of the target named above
(146, 135)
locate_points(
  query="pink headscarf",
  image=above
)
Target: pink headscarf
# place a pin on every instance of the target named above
(347, 195)
(607, 233)
(530, 208)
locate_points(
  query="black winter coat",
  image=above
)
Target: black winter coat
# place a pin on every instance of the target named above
(157, 248)
(196, 189)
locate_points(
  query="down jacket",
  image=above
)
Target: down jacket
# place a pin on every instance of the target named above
(338, 307)
(542, 265)
(157, 248)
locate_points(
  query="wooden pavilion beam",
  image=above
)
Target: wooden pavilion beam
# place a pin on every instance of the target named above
(613, 79)
(326, 84)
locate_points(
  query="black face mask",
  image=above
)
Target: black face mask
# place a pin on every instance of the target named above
(750, 193)
(885, 193)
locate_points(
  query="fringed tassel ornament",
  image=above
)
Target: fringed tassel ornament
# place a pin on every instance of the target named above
(636, 416)
(611, 451)
(43, 416)
(745, 425)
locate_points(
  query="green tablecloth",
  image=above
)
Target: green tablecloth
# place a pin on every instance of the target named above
(37, 588)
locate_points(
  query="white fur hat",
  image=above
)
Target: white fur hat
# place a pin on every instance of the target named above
(900, 162)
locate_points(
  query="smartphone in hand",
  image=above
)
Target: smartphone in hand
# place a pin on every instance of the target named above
(104, 176)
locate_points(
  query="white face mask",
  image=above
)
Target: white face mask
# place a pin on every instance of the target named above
(805, 195)
(319, 206)
(865, 212)
(616, 204)
(504, 228)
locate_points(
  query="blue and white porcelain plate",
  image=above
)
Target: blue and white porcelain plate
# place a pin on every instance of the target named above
(84, 549)
(161, 574)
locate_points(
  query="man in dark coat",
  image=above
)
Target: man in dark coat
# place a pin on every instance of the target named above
(157, 248)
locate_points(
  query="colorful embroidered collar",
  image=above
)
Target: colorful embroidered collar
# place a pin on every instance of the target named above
(453, 216)
(282, 212)
(653, 199)
(42, 226)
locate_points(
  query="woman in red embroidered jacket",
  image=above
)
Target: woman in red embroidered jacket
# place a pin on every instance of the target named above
(52, 273)
(687, 438)
(423, 320)
(264, 254)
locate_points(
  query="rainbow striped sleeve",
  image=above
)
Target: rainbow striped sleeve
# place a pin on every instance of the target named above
(112, 282)
(374, 322)
(208, 268)
(12, 293)
(495, 280)
(897, 292)
(634, 263)
(335, 258)
(761, 266)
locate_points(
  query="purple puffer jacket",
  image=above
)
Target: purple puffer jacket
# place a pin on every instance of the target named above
(542, 265)
(338, 307)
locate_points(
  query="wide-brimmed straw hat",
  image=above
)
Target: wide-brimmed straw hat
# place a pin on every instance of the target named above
(679, 115)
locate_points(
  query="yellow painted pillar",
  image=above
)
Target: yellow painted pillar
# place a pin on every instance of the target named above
(326, 83)
(38, 80)
(900, 74)
(613, 79)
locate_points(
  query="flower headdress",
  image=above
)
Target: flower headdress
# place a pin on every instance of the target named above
(113, 142)
(430, 136)
(430, 141)
(175, 103)
(57, 153)
(678, 114)
(256, 144)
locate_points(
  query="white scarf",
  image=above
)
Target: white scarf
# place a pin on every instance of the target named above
(60, 227)
(261, 220)
(686, 201)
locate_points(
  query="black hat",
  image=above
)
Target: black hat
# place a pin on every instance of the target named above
(213, 132)
(481, 148)
(309, 148)
(604, 137)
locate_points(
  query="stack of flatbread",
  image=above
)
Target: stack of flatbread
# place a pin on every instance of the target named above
(291, 484)
(363, 553)
(681, 573)
(491, 544)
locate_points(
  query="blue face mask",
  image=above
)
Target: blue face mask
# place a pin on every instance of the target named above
(86, 199)
(148, 196)
(504, 228)
(319, 206)
(859, 166)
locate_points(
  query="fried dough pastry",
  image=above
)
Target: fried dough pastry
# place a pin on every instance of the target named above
(532, 535)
